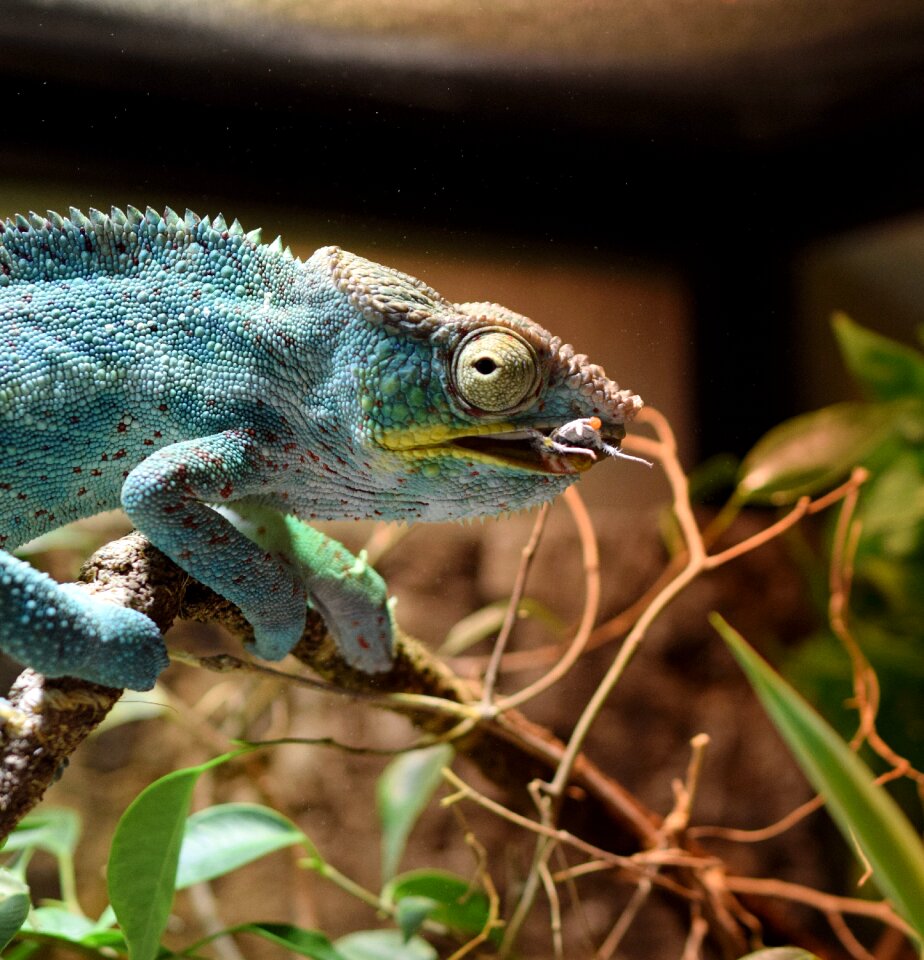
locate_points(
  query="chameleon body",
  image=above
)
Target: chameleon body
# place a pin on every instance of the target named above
(217, 387)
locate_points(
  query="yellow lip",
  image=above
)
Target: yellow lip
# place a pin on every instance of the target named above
(483, 443)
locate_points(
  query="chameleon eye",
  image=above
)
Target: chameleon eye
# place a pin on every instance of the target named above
(494, 369)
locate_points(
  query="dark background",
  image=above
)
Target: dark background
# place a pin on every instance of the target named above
(717, 147)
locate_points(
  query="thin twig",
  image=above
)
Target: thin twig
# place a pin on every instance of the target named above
(591, 561)
(675, 823)
(548, 885)
(738, 835)
(846, 936)
(513, 607)
(631, 910)
(699, 927)
(825, 902)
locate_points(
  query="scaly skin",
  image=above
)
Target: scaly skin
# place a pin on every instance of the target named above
(170, 364)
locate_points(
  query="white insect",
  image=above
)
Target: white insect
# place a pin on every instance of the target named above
(583, 438)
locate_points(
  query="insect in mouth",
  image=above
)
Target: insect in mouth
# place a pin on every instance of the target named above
(583, 437)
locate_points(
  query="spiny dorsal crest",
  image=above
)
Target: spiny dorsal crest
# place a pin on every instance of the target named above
(48, 246)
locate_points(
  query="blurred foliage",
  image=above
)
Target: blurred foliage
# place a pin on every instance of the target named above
(884, 432)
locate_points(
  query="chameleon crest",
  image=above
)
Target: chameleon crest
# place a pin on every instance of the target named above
(171, 365)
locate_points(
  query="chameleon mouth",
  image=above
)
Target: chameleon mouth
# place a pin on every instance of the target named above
(531, 449)
(523, 452)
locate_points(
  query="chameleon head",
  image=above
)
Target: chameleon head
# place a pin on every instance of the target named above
(458, 401)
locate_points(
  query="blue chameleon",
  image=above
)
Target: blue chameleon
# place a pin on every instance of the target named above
(223, 392)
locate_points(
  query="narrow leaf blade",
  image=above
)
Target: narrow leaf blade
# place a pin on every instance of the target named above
(861, 808)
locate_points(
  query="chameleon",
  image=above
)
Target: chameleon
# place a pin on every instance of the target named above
(225, 393)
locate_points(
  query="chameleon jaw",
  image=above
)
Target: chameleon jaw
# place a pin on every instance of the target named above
(524, 453)
(506, 445)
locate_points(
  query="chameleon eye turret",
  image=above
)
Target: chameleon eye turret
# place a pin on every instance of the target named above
(495, 370)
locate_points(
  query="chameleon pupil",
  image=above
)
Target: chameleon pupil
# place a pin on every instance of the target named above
(485, 366)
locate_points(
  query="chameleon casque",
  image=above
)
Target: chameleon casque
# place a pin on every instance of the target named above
(217, 388)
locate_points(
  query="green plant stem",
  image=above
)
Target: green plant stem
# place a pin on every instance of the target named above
(330, 872)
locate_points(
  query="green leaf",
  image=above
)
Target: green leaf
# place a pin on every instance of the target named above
(411, 913)
(487, 621)
(864, 811)
(60, 923)
(54, 829)
(305, 943)
(225, 837)
(14, 906)
(383, 945)
(23, 950)
(459, 905)
(887, 369)
(402, 792)
(144, 857)
(812, 452)
(781, 953)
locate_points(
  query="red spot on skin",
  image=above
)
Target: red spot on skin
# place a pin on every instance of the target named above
(78, 469)
(158, 434)
(149, 443)
(81, 491)
(216, 538)
(363, 642)
(96, 472)
(226, 491)
(105, 458)
(190, 522)
(288, 447)
(122, 427)
(21, 496)
(163, 408)
(185, 554)
(118, 454)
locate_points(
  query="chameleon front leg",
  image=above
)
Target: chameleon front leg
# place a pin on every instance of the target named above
(347, 592)
(61, 631)
(167, 496)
